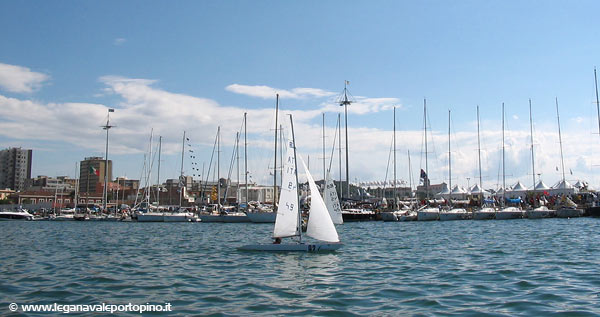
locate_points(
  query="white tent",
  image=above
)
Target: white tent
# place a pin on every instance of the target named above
(518, 190)
(563, 188)
(476, 190)
(540, 187)
(458, 193)
(445, 193)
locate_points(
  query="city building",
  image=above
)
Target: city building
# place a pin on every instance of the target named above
(15, 168)
(45, 183)
(91, 175)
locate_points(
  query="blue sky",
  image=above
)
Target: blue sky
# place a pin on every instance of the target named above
(162, 64)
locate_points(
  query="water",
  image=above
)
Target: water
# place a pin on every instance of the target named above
(511, 267)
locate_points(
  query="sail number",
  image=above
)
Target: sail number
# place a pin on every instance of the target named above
(289, 206)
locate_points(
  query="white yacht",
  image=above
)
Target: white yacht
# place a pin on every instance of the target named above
(428, 214)
(15, 215)
(454, 214)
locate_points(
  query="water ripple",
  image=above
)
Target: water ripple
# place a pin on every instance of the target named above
(464, 268)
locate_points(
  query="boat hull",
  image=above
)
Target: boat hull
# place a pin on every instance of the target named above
(539, 214)
(235, 218)
(426, 215)
(299, 247)
(447, 216)
(408, 217)
(484, 215)
(149, 217)
(593, 211)
(505, 215)
(262, 217)
(211, 218)
(568, 213)
(389, 216)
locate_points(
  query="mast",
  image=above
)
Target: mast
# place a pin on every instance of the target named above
(158, 172)
(299, 229)
(479, 153)
(395, 179)
(246, 158)
(105, 193)
(181, 181)
(597, 103)
(237, 154)
(503, 165)
(345, 102)
(562, 163)
(77, 188)
(426, 180)
(324, 171)
(275, 152)
(531, 136)
(449, 156)
(219, 168)
(409, 173)
(340, 154)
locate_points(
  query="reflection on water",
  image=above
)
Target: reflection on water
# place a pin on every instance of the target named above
(465, 267)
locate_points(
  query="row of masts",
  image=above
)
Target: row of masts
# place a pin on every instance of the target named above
(345, 101)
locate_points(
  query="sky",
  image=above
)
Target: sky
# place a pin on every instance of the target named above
(167, 67)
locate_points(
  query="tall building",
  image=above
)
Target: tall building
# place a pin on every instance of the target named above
(91, 175)
(15, 168)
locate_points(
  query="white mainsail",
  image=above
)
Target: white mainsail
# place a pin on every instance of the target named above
(319, 225)
(286, 223)
(332, 202)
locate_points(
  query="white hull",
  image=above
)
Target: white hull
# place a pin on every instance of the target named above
(63, 218)
(485, 214)
(568, 213)
(262, 217)
(411, 216)
(389, 216)
(150, 217)
(177, 217)
(539, 213)
(299, 247)
(451, 215)
(428, 214)
(509, 213)
(236, 218)
(211, 218)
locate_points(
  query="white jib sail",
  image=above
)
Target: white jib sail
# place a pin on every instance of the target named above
(319, 225)
(286, 223)
(332, 202)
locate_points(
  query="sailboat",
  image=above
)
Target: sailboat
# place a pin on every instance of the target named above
(452, 213)
(594, 210)
(540, 211)
(567, 209)
(426, 213)
(484, 212)
(506, 212)
(267, 215)
(288, 223)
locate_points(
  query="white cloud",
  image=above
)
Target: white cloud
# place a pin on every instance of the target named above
(363, 105)
(119, 41)
(20, 79)
(267, 92)
(142, 107)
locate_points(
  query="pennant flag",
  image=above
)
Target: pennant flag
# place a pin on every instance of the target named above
(557, 168)
(570, 170)
(94, 171)
(111, 110)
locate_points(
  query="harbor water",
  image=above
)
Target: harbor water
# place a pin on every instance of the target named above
(512, 267)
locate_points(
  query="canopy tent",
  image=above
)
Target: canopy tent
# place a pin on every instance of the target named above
(563, 188)
(445, 193)
(540, 187)
(518, 190)
(458, 193)
(476, 191)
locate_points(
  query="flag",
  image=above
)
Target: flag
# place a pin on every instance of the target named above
(347, 82)
(111, 110)
(94, 171)
(570, 170)
(557, 168)
(423, 177)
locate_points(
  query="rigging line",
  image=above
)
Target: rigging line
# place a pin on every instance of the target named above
(333, 146)
(208, 172)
